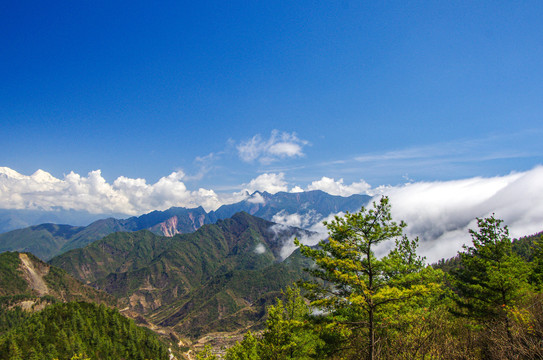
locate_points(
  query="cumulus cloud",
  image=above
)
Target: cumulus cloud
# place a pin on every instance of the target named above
(280, 145)
(93, 194)
(334, 187)
(272, 183)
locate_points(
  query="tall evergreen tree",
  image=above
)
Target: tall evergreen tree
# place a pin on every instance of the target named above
(287, 334)
(491, 276)
(357, 288)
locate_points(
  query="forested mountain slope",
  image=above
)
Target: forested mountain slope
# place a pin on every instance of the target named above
(27, 278)
(206, 276)
(61, 331)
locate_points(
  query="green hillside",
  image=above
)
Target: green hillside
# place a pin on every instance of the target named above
(231, 301)
(25, 276)
(97, 332)
(42, 240)
(193, 282)
(48, 240)
(45, 313)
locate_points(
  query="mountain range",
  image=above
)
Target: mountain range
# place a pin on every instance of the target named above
(218, 278)
(182, 271)
(303, 209)
(204, 275)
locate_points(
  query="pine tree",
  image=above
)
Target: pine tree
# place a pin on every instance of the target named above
(491, 276)
(247, 349)
(356, 287)
(287, 334)
(536, 276)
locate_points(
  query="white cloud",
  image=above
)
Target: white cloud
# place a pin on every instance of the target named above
(260, 249)
(280, 145)
(272, 183)
(125, 195)
(289, 246)
(93, 194)
(310, 221)
(283, 233)
(304, 221)
(441, 213)
(208, 199)
(334, 187)
(256, 199)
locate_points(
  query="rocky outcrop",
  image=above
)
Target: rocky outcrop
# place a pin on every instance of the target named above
(169, 227)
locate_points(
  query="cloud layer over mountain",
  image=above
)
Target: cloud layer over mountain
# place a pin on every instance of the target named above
(440, 213)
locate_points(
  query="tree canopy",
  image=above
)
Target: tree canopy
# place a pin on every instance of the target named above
(359, 290)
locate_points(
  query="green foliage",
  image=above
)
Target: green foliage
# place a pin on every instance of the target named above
(526, 246)
(359, 290)
(11, 281)
(491, 276)
(206, 354)
(79, 356)
(244, 350)
(536, 277)
(403, 303)
(11, 318)
(288, 333)
(81, 329)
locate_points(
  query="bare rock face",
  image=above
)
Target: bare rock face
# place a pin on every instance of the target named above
(177, 225)
(34, 275)
(169, 227)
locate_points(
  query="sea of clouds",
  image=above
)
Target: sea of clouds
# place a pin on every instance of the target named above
(439, 212)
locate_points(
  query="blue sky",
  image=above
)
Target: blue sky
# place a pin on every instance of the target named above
(387, 92)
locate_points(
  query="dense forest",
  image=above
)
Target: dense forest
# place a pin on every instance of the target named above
(484, 304)
(76, 330)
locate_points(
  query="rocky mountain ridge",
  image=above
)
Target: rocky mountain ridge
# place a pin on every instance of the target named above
(49, 240)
